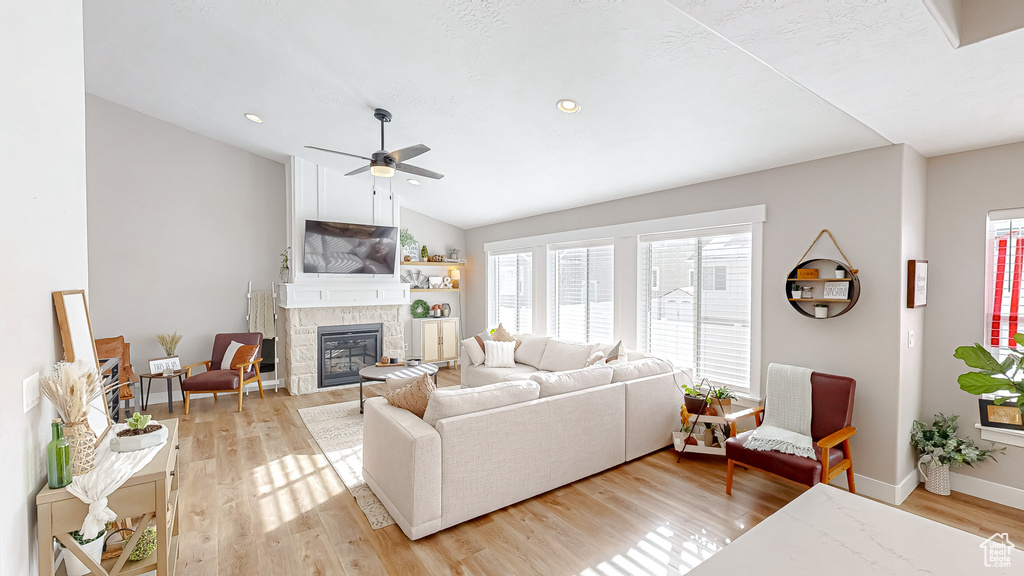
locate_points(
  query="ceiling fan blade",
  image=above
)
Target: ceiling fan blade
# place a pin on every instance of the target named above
(408, 168)
(336, 152)
(408, 153)
(358, 170)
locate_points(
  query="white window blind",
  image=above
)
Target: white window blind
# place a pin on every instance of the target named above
(582, 293)
(511, 279)
(695, 301)
(1006, 246)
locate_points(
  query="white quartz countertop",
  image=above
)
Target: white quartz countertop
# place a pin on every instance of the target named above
(827, 530)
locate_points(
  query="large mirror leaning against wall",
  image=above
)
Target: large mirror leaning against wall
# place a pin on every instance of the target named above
(76, 335)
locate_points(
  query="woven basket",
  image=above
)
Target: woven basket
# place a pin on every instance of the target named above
(83, 446)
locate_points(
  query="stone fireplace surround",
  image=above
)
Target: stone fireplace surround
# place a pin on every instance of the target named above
(300, 347)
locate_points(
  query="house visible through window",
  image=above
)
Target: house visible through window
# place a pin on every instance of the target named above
(582, 294)
(1006, 248)
(511, 280)
(706, 324)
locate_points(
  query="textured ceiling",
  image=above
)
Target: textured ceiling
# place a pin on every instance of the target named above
(665, 101)
(887, 64)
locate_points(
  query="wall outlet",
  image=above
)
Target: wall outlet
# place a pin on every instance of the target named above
(30, 391)
(910, 339)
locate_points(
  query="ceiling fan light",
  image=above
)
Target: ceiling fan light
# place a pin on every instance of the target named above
(382, 171)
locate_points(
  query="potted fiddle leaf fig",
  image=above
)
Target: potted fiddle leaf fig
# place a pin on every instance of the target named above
(991, 376)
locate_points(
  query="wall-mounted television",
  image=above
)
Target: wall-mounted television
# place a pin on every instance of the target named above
(340, 248)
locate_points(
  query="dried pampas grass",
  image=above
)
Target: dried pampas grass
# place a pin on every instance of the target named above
(169, 342)
(72, 386)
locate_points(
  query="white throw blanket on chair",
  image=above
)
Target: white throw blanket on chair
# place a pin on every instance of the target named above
(787, 413)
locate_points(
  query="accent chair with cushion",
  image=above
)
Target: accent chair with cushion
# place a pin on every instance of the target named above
(117, 348)
(223, 373)
(831, 416)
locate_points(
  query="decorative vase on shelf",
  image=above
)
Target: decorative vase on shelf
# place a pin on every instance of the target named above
(807, 292)
(840, 273)
(936, 477)
(58, 458)
(82, 441)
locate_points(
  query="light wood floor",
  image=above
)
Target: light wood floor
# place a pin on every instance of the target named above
(259, 499)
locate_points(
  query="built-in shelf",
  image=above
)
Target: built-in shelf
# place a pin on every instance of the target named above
(1001, 435)
(816, 300)
(445, 264)
(820, 279)
(435, 290)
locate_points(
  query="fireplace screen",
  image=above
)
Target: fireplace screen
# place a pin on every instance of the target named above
(344, 350)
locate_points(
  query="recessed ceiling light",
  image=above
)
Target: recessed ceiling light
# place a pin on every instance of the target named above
(413, 181)
(568, 106)
(254, 118)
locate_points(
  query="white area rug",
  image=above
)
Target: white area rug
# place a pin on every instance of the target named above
(338, 430)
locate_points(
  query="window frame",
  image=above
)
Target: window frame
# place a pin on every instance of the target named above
(552, 283)
(492, 302)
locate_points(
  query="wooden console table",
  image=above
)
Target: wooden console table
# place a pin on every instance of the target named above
(151, 493)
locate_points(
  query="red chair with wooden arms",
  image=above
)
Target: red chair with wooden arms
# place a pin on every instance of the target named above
(831, 415)
(216, 380)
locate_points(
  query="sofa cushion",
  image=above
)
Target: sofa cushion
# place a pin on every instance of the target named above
(229, 355)
(446, 403)
(616, 354)
(474, 350)
(553, 383)
(562, 355)
(639, 369)
(595, 358)
(531, 349)
(501, 334)
(499, 354)
(414, 396)
(244, 356)
(521, 375)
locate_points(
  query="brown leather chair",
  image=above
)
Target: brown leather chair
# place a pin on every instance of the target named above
(831, 415)
(215, 380)
(117, 348)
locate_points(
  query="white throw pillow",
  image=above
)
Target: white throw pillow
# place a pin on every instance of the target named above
(639, 369)
(499, 354)
(473, 350)
(446, 403)
(532, 349)
(229, 354)
(553, 383)
(595, 358)
(560, 355)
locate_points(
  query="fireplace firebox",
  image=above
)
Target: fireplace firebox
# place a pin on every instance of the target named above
(344, 350)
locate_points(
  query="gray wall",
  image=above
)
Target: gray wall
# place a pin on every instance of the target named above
(962, 188)
(859, 198)
(438, 236)
(178, 225)
(43, 237)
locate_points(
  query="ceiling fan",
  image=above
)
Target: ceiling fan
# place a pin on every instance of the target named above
(383, 163)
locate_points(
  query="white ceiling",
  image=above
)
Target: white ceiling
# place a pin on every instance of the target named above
(665, 101)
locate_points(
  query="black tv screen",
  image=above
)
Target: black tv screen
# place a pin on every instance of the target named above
(339, 248)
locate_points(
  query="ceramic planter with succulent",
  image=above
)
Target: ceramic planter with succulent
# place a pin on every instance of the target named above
(722, 397)
(139, 434)
(940, 448)
(794, 291)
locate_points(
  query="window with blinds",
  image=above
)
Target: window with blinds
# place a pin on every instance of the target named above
(511, 280)
(695, 301)
(1006, 247)
(582, 293)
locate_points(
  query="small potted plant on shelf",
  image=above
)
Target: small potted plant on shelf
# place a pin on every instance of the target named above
(693, 399)
(821, 310)
(941, 448)
(138, 435)
(93, 548)
(840, 271)
(723, 397)
(794, 291)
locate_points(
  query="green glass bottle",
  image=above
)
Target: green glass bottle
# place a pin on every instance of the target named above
(58, 458)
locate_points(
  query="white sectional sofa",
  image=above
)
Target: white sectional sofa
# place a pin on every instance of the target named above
(531, 436)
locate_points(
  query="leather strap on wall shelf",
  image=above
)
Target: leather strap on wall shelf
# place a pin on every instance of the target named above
(818, 237)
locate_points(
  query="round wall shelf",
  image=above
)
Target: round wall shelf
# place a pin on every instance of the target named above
(826, 274)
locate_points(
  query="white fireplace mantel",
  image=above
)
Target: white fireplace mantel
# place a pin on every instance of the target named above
(316, 295)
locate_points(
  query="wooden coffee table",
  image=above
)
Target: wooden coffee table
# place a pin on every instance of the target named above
(179, 374)
(380, 373)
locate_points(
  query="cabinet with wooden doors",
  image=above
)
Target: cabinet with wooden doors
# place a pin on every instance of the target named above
(436, 339)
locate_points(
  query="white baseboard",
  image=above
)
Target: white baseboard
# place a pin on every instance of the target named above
(991, 491)
(879, 490)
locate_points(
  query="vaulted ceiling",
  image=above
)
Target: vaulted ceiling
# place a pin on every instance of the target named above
(670, 95)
